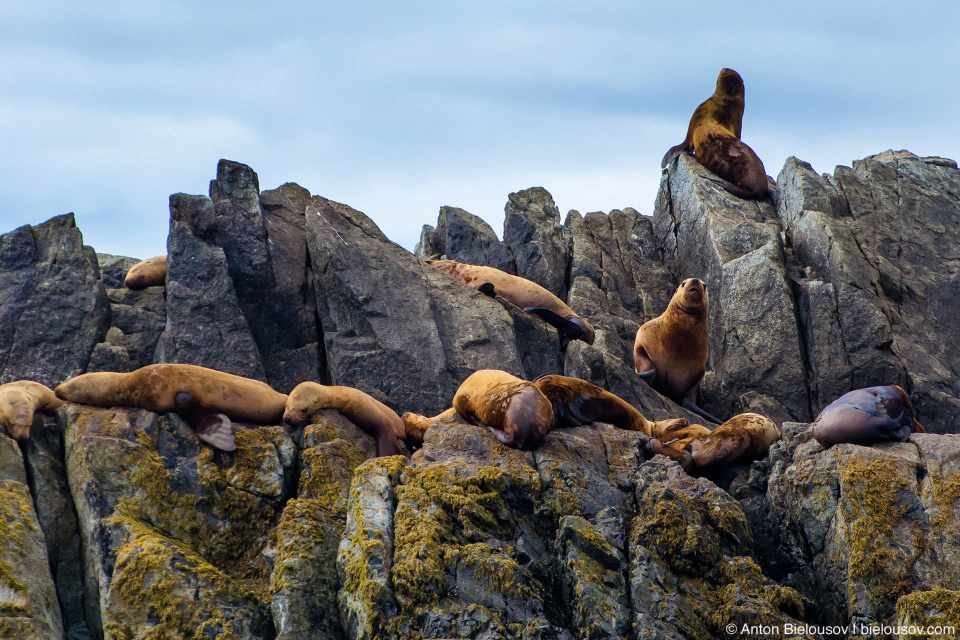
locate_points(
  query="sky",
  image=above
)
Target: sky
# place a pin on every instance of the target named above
(399, 108)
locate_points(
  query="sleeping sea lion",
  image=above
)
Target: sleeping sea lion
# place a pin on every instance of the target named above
(368, 413)
(416, 425)
(207, 399)
(867, 416)
(527, 295)
(18, 402)
(577, 402)
(742, 438)
(514, 409)
(714, 139)
(148, 273)
(670, 352)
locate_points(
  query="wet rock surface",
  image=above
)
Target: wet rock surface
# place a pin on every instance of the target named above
(121, 524)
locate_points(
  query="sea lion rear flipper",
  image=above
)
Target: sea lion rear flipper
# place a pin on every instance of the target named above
(672, 153)
(691, 406)
(217, 431)
(488, 289)
(566, 327)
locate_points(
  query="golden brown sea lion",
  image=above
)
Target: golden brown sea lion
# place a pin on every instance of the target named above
(742, 438)
(714, 139)
(527, 295)
(416, 425)
(207, 399)
(670, 352)
(148, 273)
(577, 402)
(514, 409)
(368, 413)
(18, 402)
(867, 416)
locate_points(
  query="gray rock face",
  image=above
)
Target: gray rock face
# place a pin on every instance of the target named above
(735, 246)
(879, 306)
(205, 325)
(53, 308)
(464, 237)
(532, 231)
(265, 246)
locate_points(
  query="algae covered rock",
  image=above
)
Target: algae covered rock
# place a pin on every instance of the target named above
(28, 599)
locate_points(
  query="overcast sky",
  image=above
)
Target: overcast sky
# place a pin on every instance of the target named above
(398, 108)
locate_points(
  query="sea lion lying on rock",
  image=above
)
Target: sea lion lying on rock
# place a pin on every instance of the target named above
(368, 413)
(670, 351)
(523, 293)
(147, 273)
(207, 399)
(867, 416)
(742, 438)
(18, 402)
(713, 137)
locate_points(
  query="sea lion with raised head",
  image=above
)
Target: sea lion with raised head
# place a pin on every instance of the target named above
(514, 409)
(19, 401)
(522, 293)
(207, 399)
(147, 273)
(742, 438)
(713, 137)
(670, 351)
(368, 413)
(577, 402)
(867, 416)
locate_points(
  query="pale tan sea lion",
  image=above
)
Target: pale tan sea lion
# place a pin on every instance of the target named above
(148, 273)
(416, 425)
(670, 351)
(742, 438)
(18, 402)
(522, 293)
(713, 137)
(514, 409)
(867, 416)
(368, 413)
(207, 399)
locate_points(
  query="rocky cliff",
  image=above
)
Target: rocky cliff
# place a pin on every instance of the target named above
(117, 523)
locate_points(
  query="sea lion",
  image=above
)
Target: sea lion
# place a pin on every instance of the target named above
(714, 139)
(867, 416)
(577, 402)
(527, 295)
(18, 402)
(416, 425)
(742, 438)
(148, 273)
(670, 351)
(368, 413)
(207, 399)
(514, 409)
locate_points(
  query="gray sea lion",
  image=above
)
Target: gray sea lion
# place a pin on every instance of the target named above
(867, 416)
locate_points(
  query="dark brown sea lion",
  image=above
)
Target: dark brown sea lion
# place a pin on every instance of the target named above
(577, 402)
(514, 409)
(527, 295)
(742, 438)
(366, 412)
(148, 273)
(867, 416)
(207, 399)
(671, 350)
(714, 139)
(18, 402)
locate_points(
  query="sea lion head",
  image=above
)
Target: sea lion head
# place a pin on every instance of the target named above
(914, 424)
(303, 401)
(16, 414)
(528, 419)
(729, 83)
(691, 296)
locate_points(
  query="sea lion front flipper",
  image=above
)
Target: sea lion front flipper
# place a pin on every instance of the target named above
(567, 328)
(643, 365)
(488, 289)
